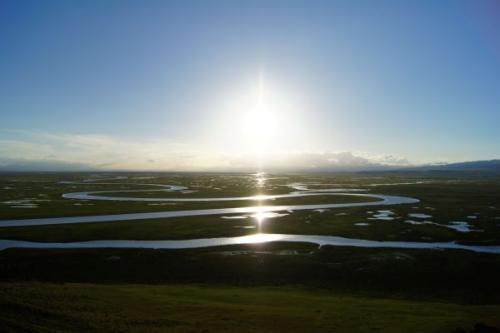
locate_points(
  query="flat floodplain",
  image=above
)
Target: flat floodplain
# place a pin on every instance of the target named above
(440, 290)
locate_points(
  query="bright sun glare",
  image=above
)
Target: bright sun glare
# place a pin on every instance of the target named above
(257, 120)
(259, 123)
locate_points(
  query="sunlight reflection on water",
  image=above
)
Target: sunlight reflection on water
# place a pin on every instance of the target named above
(260, 238)
(250, 239)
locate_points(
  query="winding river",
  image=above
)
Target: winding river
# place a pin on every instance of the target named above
(301, 190)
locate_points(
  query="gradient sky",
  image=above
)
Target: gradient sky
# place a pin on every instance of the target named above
(169, 84)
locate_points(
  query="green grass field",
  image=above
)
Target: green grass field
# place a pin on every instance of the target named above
(274, 287)
(37, 307)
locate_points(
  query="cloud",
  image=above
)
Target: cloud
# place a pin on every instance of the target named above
(46, 151)
(333, 161)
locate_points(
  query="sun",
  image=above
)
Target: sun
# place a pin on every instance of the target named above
(256, 120)
(259, 121)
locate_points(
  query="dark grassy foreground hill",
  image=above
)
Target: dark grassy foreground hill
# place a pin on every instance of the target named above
(281, 287)
(35, 307)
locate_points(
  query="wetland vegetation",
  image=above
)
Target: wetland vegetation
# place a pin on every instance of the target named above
(257, 287)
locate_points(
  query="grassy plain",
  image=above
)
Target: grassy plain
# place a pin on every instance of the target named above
(272, 287)
(472, 199)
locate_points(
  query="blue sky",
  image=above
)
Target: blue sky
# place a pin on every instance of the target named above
(170, 84)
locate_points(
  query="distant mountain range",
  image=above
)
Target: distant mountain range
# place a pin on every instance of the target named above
(487, 166)
(483, 166)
